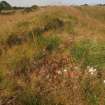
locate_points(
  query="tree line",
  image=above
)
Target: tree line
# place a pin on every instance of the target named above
(6, 6)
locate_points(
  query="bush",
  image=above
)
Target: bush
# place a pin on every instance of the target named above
(27, 10)
(17, 8)
(22, 67)
(85, 5)
(54, 24)
(4, 6)
(13, 40)
(34, 7)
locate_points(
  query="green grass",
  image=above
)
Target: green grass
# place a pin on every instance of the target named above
(90, 53)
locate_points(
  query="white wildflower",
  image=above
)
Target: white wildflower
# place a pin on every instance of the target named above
(59, 72)
(91, 70)
(65, 70)
(104, 81)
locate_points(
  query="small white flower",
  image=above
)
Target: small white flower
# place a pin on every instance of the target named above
(91, 73)
(65, 70)
(104, 81)
(59, 72)
(91, 70)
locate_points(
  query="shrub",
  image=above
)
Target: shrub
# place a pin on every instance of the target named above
(13, 40)
(54, 24)
(38, 31)
(85, 5)
(17, 8)
(34, 7)
(4, 5)
(22, 66)
(27, 10)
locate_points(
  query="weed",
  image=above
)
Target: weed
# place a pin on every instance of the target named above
(27, 10)
(35, 7)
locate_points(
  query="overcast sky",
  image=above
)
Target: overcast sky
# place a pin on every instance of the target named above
(52, 2)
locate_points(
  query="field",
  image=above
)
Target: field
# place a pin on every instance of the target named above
(53, 55)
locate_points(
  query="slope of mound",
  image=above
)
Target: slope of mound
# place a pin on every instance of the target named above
(45, 56)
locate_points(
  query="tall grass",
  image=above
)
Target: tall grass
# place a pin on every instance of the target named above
(89, 53)
(44, 56)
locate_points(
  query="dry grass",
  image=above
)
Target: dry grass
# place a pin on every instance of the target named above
(45, 54)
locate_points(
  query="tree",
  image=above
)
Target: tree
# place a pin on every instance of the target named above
(4, 6)
(34, 7)
(1, 7)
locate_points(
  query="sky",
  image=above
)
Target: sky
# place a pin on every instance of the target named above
(53, 2)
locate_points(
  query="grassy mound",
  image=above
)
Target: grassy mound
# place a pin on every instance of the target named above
(53, 56)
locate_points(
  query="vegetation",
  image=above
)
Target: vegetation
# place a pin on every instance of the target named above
(53, 56)
(4, 6)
